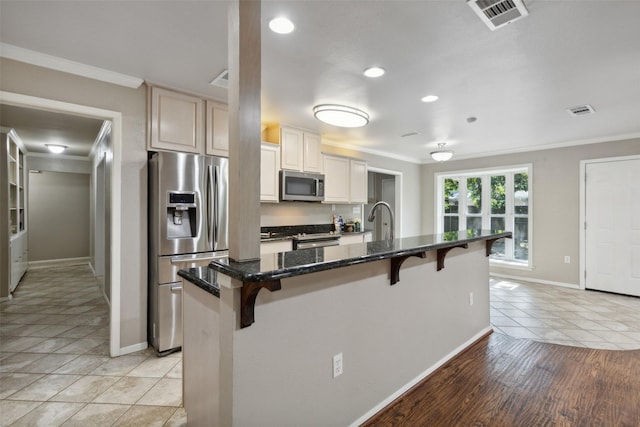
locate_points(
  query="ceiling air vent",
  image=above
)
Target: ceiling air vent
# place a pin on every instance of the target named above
(497, 13)
(581, 110)
(222, 80)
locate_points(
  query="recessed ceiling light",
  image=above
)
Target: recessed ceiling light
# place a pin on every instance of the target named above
(281, 25)
(374, 72)
(56, 148)
(430, 98)
(340, 115)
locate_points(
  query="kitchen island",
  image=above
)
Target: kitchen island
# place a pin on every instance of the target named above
(392, 311)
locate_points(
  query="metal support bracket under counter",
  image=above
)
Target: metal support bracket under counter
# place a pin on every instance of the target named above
(256, 275)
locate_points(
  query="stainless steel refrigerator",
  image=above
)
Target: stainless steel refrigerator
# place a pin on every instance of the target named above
(188, 227)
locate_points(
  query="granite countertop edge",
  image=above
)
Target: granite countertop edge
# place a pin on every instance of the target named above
(193, 277)
(245, 271)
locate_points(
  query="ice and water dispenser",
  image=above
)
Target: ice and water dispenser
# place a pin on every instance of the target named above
(181, 215)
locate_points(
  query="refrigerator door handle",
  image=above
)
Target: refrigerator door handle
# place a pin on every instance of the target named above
(217, 203)
(176, 289)
(210, 202)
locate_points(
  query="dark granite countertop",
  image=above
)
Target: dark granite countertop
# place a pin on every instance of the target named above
(306, 261)
(204, 277)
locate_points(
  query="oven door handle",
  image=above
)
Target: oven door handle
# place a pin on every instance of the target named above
(318, 244)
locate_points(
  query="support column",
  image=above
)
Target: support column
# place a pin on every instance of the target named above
(244, 129)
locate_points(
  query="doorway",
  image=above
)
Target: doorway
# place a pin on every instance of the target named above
(610, 213)
(384, 185)
(112, 194)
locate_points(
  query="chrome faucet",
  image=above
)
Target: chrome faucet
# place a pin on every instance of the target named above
(372, 216)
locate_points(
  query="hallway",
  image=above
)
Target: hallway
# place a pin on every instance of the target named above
(55, 364)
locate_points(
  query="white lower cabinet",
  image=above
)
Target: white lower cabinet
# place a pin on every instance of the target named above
(348, 239)
(19, 259)
(276, 246)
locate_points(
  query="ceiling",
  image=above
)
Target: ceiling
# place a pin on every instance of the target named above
(517, 81)
(38, 127)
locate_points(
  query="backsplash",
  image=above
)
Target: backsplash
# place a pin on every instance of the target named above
(301, 213)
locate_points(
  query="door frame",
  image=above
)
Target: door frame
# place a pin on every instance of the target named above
(583, 209)
(398, 204)
(115, 117)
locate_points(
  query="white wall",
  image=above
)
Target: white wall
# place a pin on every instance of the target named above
(556, 209)
(58, 216)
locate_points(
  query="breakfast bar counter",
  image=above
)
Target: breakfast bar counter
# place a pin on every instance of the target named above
(387, 312)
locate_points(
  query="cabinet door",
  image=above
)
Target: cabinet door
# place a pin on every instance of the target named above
(358, 182)
(312, 156)
(176, 121)
(291, 146)
(336, 179)
(217, 129)
(269, 161)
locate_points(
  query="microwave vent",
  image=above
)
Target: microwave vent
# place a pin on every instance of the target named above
(498, 13)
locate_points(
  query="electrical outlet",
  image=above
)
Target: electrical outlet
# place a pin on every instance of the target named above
(337, 365)
(567, 259)
(470, 298)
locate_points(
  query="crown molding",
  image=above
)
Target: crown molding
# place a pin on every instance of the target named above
(60, 64)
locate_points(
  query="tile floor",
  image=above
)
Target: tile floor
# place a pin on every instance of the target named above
(55, 367)
(565, 316)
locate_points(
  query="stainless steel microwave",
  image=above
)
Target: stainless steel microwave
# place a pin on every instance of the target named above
(301, 186)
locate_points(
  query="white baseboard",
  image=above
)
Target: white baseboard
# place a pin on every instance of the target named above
(133, 348)
(63, 262)
(532, 280)
(420, 377)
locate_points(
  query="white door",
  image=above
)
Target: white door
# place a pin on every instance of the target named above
(612, 214)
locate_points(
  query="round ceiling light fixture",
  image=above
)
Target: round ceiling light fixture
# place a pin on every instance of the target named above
(374, 72)
(56, 148)
(340, 115)
(430, 98)
(441, 155)
(281, 25)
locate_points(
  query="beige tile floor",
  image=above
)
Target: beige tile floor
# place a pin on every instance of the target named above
(565, 316)
(55, 367)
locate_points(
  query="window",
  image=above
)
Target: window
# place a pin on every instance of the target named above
(497, 199)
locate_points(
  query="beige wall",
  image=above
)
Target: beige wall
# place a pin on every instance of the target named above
(556, 203)
(412, 187)
(35, 81)
(58, 216)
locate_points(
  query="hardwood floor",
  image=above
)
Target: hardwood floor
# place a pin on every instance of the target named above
(504, 381)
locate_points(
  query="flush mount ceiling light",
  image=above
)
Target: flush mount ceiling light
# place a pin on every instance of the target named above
(441, 155)
(56, 148)
(281, 25)
(374, 72)
(430, 98)
(340, 115)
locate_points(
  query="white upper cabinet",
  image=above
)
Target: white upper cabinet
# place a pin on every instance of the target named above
(358, 181)
(300, 150)
(186, 123)
(345, 180)
(312, 155)
(176, 121)
(336, 179)
(217, 129)
(269, 170)
(292, 149)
